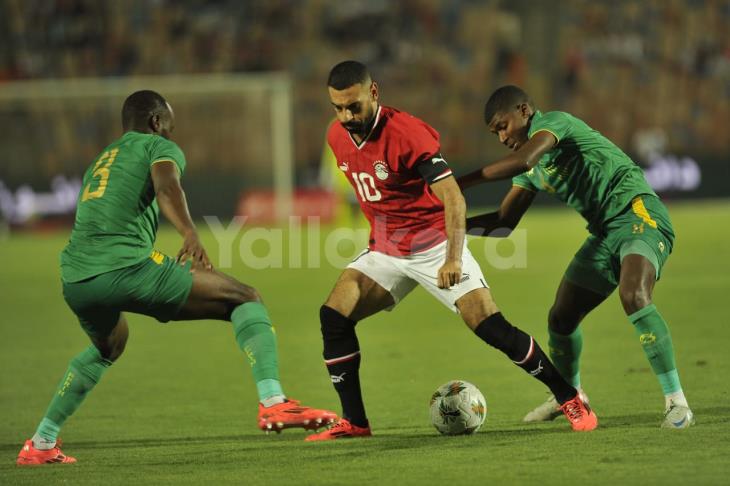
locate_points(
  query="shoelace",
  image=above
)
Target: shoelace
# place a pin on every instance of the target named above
(669, 410)
(339, 425)
(572, 410)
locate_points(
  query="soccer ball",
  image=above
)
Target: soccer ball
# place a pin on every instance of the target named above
(458, 408)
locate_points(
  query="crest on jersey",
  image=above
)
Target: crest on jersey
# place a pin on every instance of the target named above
(381, 170)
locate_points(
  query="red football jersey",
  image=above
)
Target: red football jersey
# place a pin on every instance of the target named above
(405, 216)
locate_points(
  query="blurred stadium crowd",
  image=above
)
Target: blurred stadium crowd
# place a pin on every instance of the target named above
(647, 73)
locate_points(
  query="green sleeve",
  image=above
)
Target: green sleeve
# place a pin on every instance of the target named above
(524, 182)
(555, 122)
(167, 150)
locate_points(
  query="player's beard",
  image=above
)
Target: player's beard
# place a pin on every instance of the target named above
(360, 129)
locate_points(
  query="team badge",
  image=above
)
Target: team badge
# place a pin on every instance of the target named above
(381, 170)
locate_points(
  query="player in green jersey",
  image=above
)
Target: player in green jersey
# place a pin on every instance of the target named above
(630, 239)
(110, 266)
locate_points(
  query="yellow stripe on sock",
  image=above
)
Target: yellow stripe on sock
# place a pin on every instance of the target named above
(640, 210)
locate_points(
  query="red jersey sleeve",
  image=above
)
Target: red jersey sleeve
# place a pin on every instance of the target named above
(419, 142)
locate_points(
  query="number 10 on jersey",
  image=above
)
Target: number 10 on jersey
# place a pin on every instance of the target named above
(365, 184)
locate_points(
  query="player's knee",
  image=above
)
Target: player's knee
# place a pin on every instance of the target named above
(634, 299)
(562, 322)
(116, 350)
(338, 333)
(112, 348)
(236, 295)
(242, 293)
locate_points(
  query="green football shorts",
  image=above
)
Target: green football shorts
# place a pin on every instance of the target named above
(157, 287)
(643, 228)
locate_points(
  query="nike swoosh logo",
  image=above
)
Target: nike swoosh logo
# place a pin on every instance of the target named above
(680, 423)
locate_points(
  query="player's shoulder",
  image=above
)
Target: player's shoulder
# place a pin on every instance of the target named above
(148, 141)
(158, 141)
(406, 126)
(402, 120)
(559, 123)
(556, 116)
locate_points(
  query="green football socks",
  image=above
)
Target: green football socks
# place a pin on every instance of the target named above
(256, 338)
(83, 373)
(656, 341)
(565, 354)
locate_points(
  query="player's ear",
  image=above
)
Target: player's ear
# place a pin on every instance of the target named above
(374, 90)
(154, 123)
(525, 110)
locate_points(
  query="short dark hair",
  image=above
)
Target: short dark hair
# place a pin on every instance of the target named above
(504, 99)
(348, 73)
(140, 106)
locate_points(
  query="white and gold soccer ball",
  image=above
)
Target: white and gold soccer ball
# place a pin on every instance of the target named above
(458, 408)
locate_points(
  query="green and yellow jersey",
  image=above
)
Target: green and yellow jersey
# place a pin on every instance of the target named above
(584, 169)
(117, 213)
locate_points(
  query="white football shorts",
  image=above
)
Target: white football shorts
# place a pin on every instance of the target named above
(400, 275)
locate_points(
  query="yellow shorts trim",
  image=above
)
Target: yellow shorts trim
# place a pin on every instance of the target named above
(157, 257)
(637, 205)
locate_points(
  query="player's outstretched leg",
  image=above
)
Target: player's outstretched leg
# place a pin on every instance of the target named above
(572, 304)
(83, 373)
(354, 298)
(480, 313)
(638, 276)
(342, 357)
(215, 295)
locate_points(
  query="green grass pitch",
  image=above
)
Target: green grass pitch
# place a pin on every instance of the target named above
(180, 404)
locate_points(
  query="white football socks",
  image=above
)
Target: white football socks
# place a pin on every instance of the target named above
(42, 444)
(676, 398)
(271, 401)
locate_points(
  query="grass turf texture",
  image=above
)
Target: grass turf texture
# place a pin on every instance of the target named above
(180, 404)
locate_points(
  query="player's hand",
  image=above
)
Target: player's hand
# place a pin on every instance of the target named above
(193, 250)
(449, 274)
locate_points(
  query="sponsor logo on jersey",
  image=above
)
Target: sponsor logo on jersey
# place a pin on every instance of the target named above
(381, 170)
(344, 166)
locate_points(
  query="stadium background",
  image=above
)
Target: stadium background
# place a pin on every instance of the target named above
(654, 76)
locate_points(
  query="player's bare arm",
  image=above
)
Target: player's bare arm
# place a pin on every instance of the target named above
(500, 223)
(522, 160)
(455, 211)
(172, 202)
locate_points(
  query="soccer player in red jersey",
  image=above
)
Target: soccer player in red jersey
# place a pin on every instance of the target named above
(417, 218)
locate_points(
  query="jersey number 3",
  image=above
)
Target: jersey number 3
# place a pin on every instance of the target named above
(365, 184)
(101, 170)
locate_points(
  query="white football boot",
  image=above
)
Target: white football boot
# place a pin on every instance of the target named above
(678, 417)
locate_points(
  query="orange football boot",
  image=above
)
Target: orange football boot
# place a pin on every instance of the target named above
(341, 430)
(579, 414)
(291, 414)
(30, 456)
